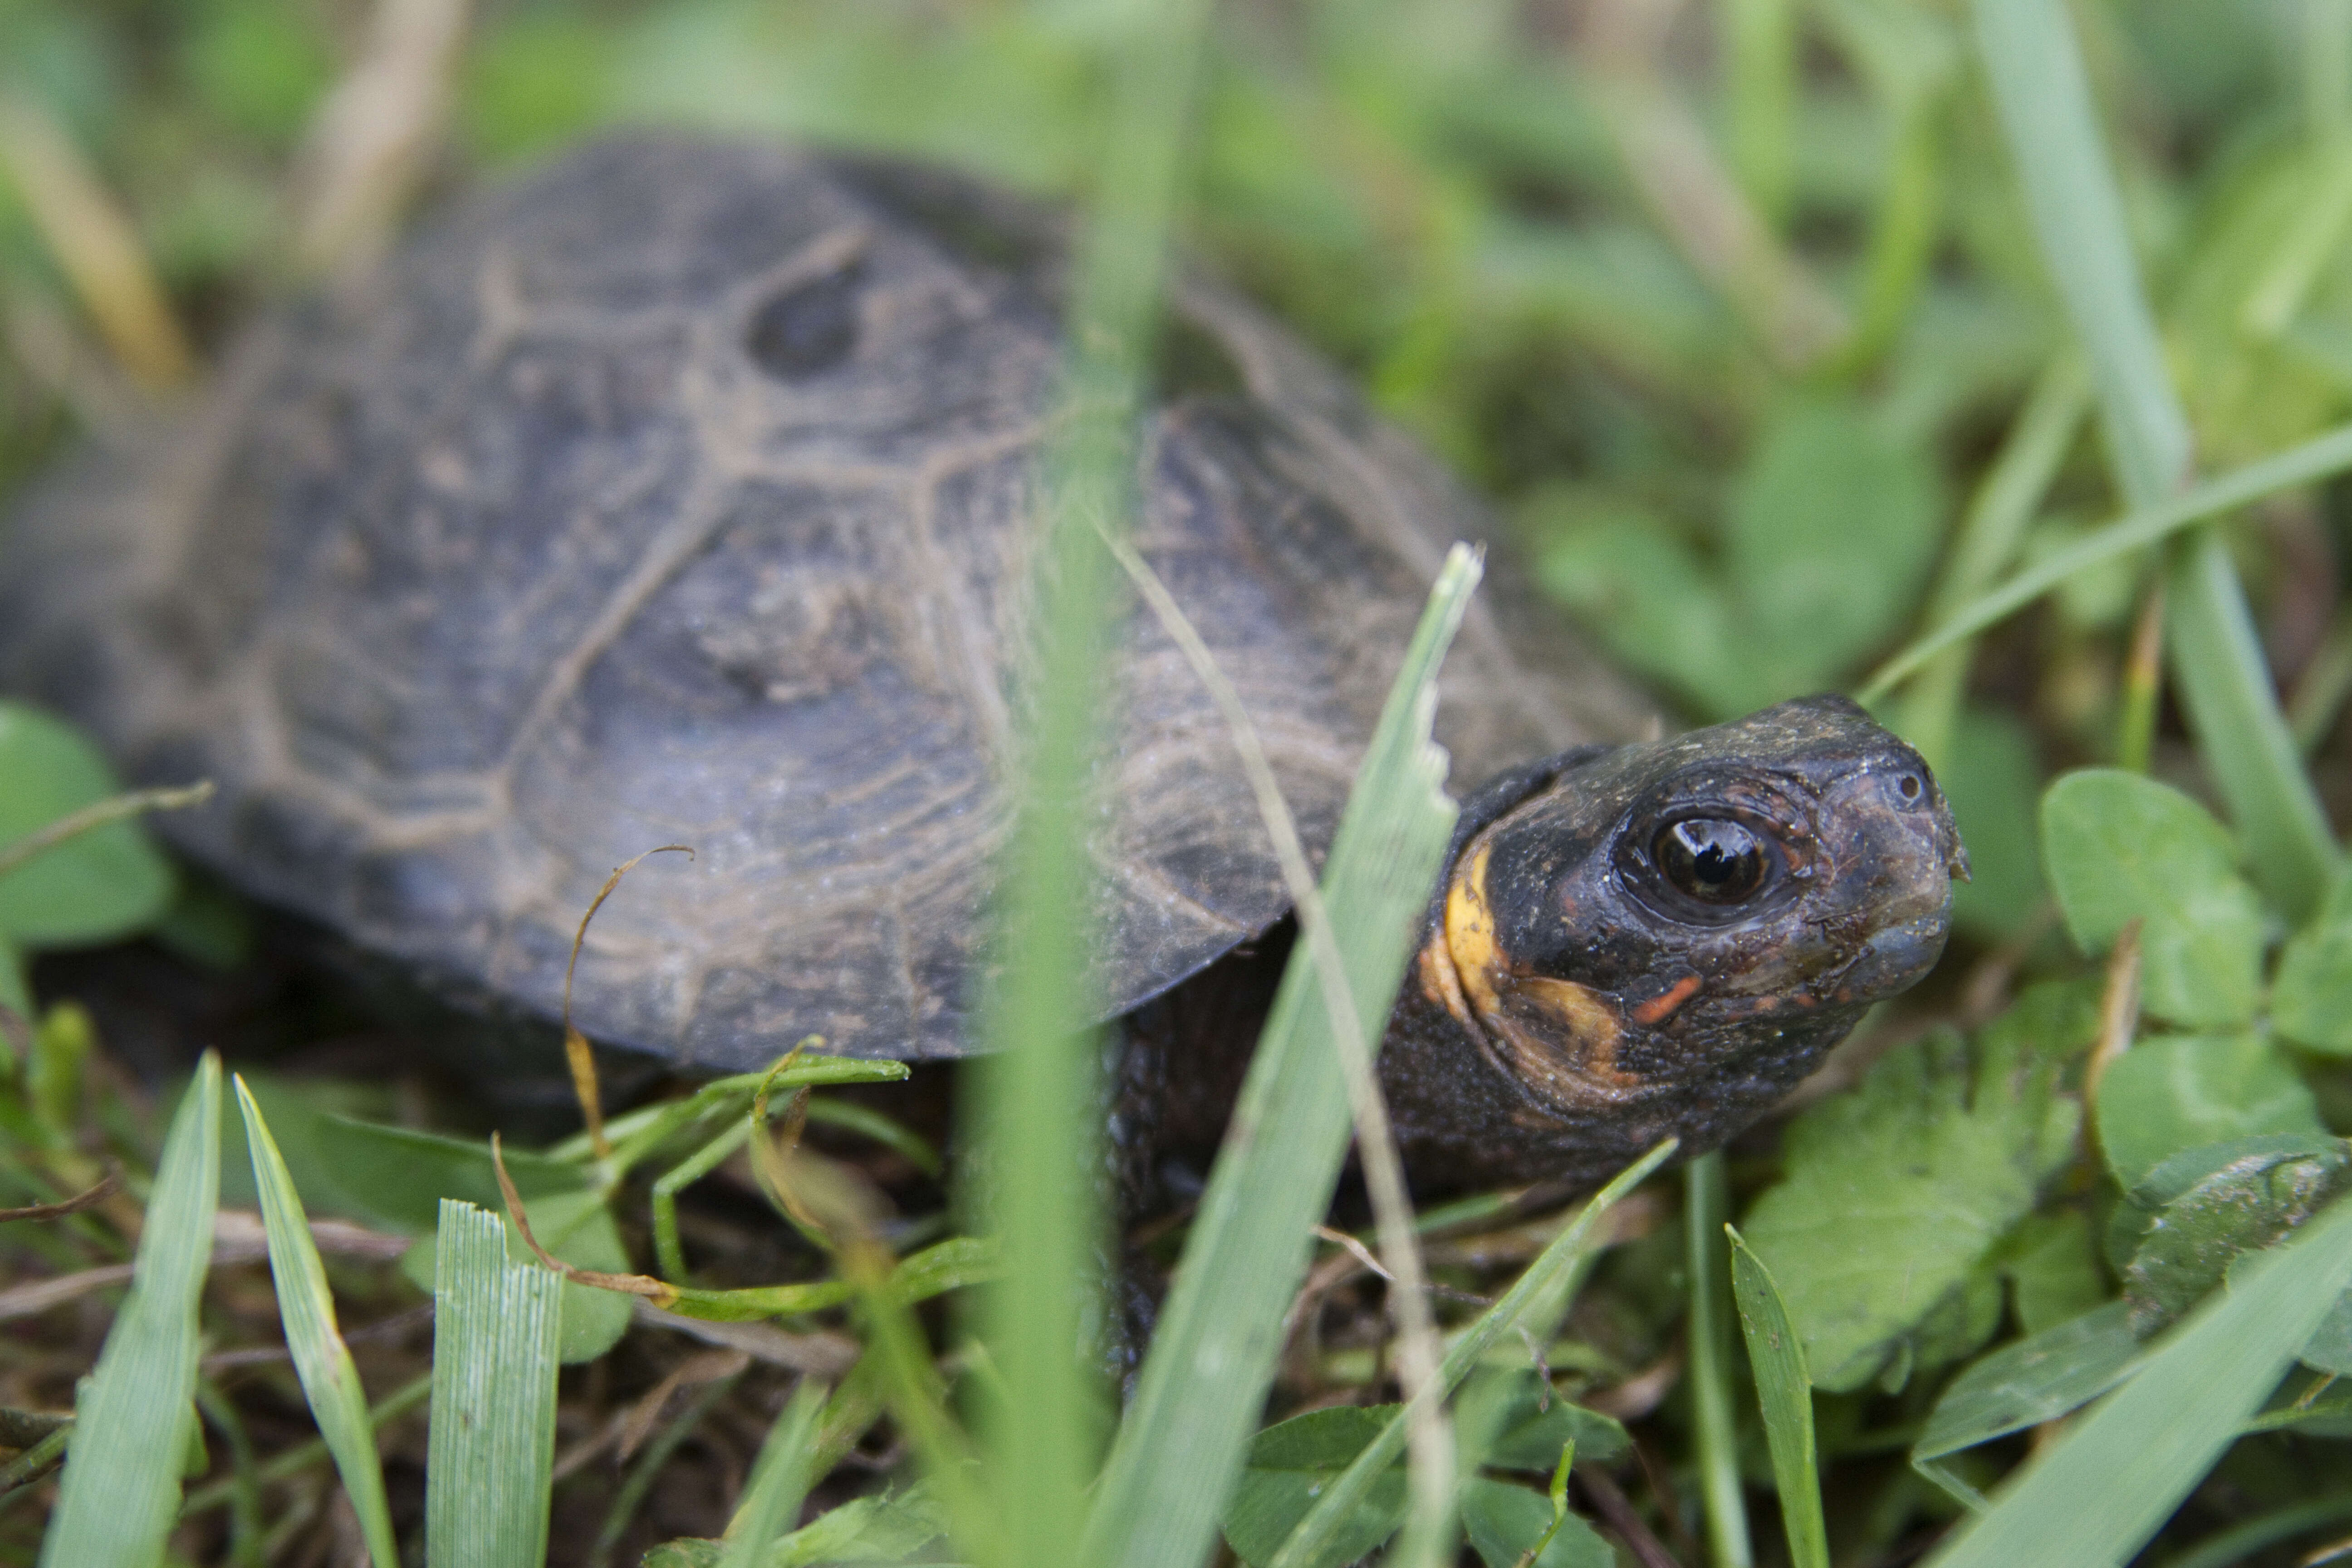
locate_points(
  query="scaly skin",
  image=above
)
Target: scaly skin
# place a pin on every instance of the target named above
(1568, 1005)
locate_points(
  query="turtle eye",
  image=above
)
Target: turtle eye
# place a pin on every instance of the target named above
(1712, 859)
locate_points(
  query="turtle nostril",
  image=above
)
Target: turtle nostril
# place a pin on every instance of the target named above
(1909, 786)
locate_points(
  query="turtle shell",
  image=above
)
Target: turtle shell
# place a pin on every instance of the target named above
(681, 492)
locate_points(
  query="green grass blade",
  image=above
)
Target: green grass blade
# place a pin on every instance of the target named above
(1039, 1106)
(307, 1308)
(1706, 1203)
(1197, 1396)
(2313, 459)
(780, 1480)
(2140, 1451)
(2031, 54)
(121, 1491)
(491, 1454)
(1992, 531)
(2036, 70)
(1785, 1393)
(1539, 1291)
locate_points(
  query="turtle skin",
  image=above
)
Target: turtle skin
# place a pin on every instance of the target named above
(679, 492)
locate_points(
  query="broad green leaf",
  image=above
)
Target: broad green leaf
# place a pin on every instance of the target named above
(1785, 1395)
(134, 1417)
(1535, 1301)
(322, 1363)
(101, 885)
(1503, 1523)
(2244, 1206)
(2052, 1265)
(492, 1444)
(1534, 1429)
(780, 1481)
(1991, 779)
(1831, 528)
(1291, 1464)
(2139, 1452)
(2177, 1092)
(2119, 847)
(1646, 594)
(2311, 1001)
(2037, 1379)
(1897, 1194)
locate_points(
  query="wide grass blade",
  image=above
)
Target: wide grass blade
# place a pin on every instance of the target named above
(491, 1457)
(2096, 1497)
(1538, 1294)
(1784, 1391)
(1039, 1108)
(780, 1480)
(307, 1309)
(2031, 54)
(1197, 1399)
(121, 1491)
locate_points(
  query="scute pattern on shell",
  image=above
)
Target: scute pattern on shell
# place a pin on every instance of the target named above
(681, 492)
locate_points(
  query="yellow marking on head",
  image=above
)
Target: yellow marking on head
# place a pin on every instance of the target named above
(1559, 1037)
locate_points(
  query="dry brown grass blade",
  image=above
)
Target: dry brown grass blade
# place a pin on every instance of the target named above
(95, 245)
(114, 808)
(73, 1204)
(368, 148)
(654, 1290)
(2119, 1011)
(576, 1054)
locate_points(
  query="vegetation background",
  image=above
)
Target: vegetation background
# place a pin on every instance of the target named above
(1764, 324)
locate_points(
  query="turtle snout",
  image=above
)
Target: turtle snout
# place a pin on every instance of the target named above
(1901, 854)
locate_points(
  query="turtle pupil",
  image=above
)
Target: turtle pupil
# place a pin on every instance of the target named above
(1715, 861)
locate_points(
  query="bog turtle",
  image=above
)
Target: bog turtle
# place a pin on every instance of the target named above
(681, 492)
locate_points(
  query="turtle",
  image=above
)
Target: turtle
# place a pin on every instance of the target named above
(680, 490)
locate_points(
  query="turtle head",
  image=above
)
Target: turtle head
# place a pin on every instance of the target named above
(1671, 934)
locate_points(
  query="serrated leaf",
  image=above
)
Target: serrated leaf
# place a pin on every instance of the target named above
(2038, 1379)
(2119, 847)
(121, 1490)
(2178, 1092)
(2311, 1001)
(1503, 1523)
(1897, 1194)
(96, 886)
(2249, 1204)
(1290, 1464)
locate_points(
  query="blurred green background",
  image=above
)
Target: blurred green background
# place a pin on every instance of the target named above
(1727, 303)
